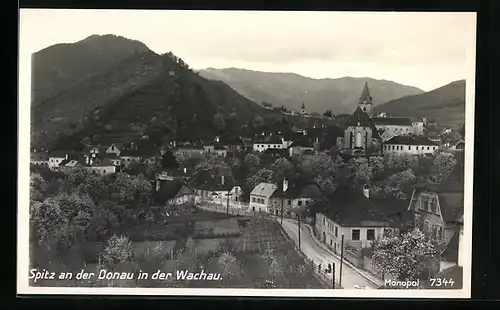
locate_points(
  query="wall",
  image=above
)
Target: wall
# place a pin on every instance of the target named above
(409, 149)
(102, 170)
(55, 161)
(398, 130)
(126, 161)
(355, 130)
(259, 206)
(261, 147)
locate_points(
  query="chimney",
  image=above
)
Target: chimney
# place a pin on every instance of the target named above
(157, 184)
(66, 156)
(222, 180)
(87, 159)
(185, 170)
(285, 184)
(366, 191)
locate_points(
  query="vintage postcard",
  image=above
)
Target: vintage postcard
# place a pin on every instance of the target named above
(252, 153)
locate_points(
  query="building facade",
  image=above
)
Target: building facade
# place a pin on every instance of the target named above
(414, 145)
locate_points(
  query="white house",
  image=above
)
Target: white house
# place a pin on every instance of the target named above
(260, 197)
(352, 214)
(129, 157)
(395, 125)
(299, 147)
(263, 143)
(415, 145)
(295, 197)
(219, 189)
(39, 158)
(114, 148)
(55, 158)
(100, 167)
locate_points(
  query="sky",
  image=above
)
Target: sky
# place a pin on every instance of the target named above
(425, 50)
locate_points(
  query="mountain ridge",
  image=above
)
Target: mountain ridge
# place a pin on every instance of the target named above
(291, 89)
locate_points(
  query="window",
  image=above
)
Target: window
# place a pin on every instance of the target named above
(104, 171)
(428, 148)
(409, 148)
(417, 148)
(324, 221)
(439, 232)
(336, 231)
(355, 234)
(330, 242)
(289, 202)
(299, 202)
(253, 199)
(430, 206)
(370, 234)
(393, 147)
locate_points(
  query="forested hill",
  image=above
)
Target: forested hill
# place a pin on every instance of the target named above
(145, 95)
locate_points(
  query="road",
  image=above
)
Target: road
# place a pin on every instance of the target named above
(314, 251)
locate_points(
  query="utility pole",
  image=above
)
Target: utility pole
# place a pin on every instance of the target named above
(341, 259)
(281, 211)
(333, 275)
(298, 223)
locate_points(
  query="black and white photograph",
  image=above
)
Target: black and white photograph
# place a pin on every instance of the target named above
(246, 153)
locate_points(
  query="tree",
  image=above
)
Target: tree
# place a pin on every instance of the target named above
(282, 168)
(262, 175)
(274, 270)
(320, 164)
(400, 255)
(258, 121)
(51, 225)
(396, 186)
(230, 269)
(442, 165)
(118, 251)
(169, 161)
(38, 188)
(328, 113)
(219, 122)
(252, 160)
(377, 166)
(212, 163)
(361, 172)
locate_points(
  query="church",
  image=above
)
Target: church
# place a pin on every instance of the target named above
(365, 133)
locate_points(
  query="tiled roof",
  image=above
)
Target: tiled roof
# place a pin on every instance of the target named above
(230, 141)
(39, 156)
(207, 180)
(168, 190)
(450, 254)
(365, 94)
(394, 121)
(184, 191)
(264, 189)
(130, 153)
(276, 152)
(452, 206)
(350, 207)
(58, 154)
(410, 140)
(302, 143)
(300, 189)
(361, 118)
(268, 140)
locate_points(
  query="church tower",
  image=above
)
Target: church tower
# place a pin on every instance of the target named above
(303, 109)
(365, 101)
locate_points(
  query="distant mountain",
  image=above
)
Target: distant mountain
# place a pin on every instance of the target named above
(59, 66)
(446, 105)
(291, 90)
(145, 94)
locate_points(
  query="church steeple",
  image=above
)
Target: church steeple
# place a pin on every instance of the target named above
(303, 109)
(365, 101)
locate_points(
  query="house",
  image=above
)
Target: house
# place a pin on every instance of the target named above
(218, 188)
(174, 192)
(298, 148)
(451, 263)
(232, 144)
(129, 157)
(39, 158)
(395, 125)
(99, 166)
(268, 142)
(351, 213)
(457, 146)
(188, 151)
(414, 145)
(295, 197)
(434, 137)
(68, 165)
(220, 151)
(175, 174)
(56, 157)
(438, 208)
(260, 197)
(114, 148)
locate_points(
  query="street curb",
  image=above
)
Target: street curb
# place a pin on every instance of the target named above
(369, 278)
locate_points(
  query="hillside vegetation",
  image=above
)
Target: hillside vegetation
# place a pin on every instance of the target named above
(291, 90)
